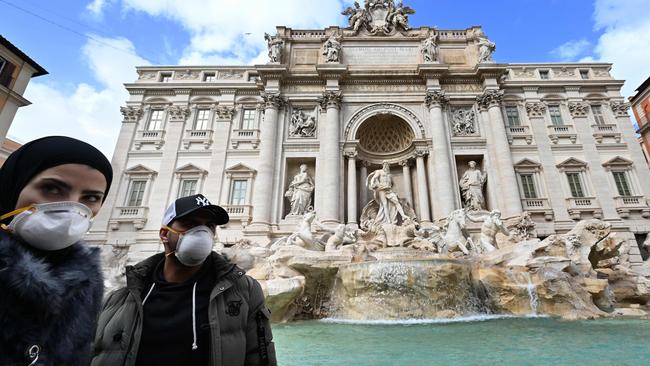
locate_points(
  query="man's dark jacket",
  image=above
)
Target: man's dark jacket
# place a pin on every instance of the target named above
(242, 340)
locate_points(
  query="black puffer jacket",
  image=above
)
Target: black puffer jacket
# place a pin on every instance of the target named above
(243, 338)
(51, 300)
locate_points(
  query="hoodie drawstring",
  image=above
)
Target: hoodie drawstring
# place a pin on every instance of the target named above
(148, 293)
(194, 345)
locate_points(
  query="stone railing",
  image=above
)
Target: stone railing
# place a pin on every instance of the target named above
(559, 132)
(520, 132)
(627, 204)
(137, 215)
(245, 136)
(538, 206)
(603, 131)
(197, 136)
(154, 137)
(239, 212)
(577, 206)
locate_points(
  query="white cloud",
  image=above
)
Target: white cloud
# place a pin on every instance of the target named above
(219, 28)
(87, 113)
(571, 50)
(97, 7)
(625, 41)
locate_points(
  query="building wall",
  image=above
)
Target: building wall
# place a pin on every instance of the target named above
(641, 110)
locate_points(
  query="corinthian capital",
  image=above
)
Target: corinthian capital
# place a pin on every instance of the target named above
(578, 109)
(491, 98)
(535, 109)
(178, 113)
(273, 100)
(131, 114)
(620, 108)
(224, 112)
(436, 98)
(330, 99)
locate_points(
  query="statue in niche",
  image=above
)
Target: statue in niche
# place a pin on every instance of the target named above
(358, 16)
(274, 45)
(485, 49)
(492, 225)
(332, 50)
(463, 122)
(429, 49)
(471, 187)
(302, 125)
(299, 192)
(398, 16)
(390, 208)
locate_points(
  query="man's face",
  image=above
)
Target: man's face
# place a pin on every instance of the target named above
(472, 164)
(197, 218)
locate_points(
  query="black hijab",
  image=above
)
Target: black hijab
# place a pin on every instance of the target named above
(38, 155)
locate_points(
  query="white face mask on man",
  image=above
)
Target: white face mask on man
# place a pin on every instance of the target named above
(50, 226)
(193, 245)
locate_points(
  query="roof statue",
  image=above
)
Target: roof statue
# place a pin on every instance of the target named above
(378, 17)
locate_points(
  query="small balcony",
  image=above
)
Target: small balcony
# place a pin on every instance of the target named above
(136, 215)
(539, 206)
(197, 137)
(603, 132)
(154, 137)
(627, 204)
(578, 206)
(245, 136)
(558, 133)
(519, 133)
(240, 213)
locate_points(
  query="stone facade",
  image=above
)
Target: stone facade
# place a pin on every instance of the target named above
(554, 139)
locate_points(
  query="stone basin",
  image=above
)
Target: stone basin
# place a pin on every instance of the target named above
(405, 289)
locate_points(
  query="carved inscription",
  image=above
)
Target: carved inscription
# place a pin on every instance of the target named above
(381, 55)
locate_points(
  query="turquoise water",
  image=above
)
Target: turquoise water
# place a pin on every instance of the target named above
(509, 341)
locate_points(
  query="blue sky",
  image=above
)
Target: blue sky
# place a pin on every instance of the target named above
(95, 44)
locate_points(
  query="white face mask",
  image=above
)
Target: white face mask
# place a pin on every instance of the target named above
(194, 245)
(51, 226)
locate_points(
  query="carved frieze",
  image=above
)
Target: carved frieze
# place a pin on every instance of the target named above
(330, 99)
(524, 73)
(491, 98)
(535, 109)
(147, 75)
(230, 75)
(178, 113)
(131, 114)
(578, 109)
(564, 72)
(187, 75)
(620, 109)
(436, 98)
(463, 121)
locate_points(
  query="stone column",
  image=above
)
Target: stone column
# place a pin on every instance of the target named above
(423, 191)
(330, 158)
(442, 164)
(352, 186)
(406, 175)
(491, 100)
(263, 190)
(364, 188)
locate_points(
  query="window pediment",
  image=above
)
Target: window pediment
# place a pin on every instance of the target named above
(190, 169)
(618, 162)
(527, 164)
(572, 164)
(140, 170)
(241, 170)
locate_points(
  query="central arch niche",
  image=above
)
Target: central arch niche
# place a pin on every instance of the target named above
(385, 134)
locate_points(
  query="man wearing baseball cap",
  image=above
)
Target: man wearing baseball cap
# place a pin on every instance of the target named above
(188, 305)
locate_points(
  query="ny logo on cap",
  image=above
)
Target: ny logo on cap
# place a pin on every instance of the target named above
(202, 201)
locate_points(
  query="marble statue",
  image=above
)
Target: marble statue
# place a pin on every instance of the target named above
(303, 236)
(358, 16)
(456, 237)
(485, 49)
(429, 49)
(463, 122)
(116, 265)
(471, 186)
(342, 235)
(332, 50)
(524, 227)
(398, 16)
(302, 125)
(275, 45)
(300, 191)
(381, 183)
(492, 225)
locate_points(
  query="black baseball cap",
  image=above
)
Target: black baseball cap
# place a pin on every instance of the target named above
(186, 205)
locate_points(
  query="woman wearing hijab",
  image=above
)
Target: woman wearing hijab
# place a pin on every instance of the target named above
(51, 285)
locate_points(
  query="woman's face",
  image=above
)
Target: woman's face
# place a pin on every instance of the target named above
(67, 182)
